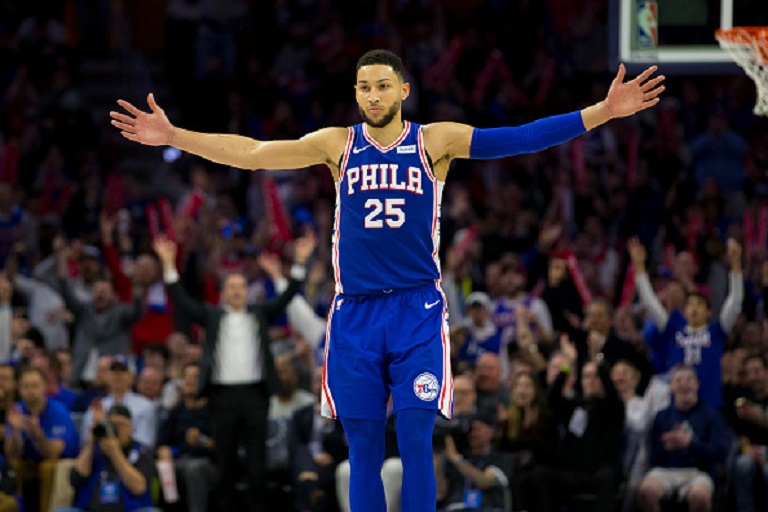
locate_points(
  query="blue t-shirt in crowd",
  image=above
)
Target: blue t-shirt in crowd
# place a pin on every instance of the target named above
(66, 397)
(56, 424)
(478, 342)
(700, 348)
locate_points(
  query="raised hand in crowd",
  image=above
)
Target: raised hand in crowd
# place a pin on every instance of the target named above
(166, 251)
(568, 348)
(63, 251)
(733, 253)
(6, 290)
(271, 264)
(637, 255)
(304, 247)
(107, 225)
(549, 235)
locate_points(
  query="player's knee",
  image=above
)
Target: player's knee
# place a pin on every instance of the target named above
(418, 424)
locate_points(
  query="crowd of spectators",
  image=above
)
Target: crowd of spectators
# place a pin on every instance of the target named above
(570, 388)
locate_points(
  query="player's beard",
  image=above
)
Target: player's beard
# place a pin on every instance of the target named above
(385, 119)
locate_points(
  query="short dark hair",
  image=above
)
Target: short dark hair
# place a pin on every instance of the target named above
(53, 362)
(13, 368)
(187, 366)
(32, 369)
(229, 275)
(158, 348)
(36, 336)
(702, 297)
(384, 58)
(682, 367)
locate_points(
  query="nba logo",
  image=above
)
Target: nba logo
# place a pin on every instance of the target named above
(425, 387)
(647, 24)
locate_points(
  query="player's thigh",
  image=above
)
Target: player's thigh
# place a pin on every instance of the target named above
(418, 351)
(354, 384)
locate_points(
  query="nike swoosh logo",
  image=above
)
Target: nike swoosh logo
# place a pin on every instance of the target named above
(430, 306)
(360, 150)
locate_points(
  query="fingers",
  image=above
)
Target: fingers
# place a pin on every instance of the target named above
(642, 77)
(152, 103)
(124, 126)
(652, 94)
(649, 104)
(620, 75)
(130, 108)
(130, 136)
(650, 84)
(122, 117)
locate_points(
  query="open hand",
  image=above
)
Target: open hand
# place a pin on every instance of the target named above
(568, 348)
(6, 289)
(734, 255)
(627, 98)
(107, 225)
(15, 418)
(166, 251)
(637, 254)
(271, 264)
(304, 246)
(150, 128)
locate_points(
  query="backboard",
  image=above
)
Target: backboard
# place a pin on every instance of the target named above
(678, 35)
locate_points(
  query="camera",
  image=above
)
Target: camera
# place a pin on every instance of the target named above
(104, 429)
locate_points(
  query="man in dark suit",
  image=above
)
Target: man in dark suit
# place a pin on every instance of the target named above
(237, 372)
(318, 445)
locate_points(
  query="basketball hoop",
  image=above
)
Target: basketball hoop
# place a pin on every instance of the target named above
(748, 47)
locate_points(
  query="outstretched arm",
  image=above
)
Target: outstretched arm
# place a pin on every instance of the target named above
(154, 129)
(453, 140)
(644, 289)
(732, 306)
(303, 248)
(166, 251)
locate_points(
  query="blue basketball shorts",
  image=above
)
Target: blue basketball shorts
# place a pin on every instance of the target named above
(395, 343)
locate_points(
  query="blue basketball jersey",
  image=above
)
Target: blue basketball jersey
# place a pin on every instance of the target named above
(387, 224)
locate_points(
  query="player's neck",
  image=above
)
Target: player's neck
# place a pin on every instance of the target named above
(388, 134)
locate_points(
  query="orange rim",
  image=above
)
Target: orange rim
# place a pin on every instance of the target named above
(737, 34)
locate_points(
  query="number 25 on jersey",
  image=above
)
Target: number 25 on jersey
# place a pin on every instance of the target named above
(388, 211)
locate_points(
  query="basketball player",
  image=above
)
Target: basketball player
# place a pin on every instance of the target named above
(387, 329)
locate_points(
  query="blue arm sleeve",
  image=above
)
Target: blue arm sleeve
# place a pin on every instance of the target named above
(490, 143)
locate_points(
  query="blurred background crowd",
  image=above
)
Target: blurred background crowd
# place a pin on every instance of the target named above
(607, 297)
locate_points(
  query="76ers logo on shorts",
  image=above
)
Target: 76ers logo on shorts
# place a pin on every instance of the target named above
(425, 386)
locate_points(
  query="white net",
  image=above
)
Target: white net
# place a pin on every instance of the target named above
(749, 49)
